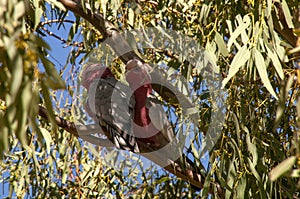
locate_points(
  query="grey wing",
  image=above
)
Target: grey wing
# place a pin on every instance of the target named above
(112, 103)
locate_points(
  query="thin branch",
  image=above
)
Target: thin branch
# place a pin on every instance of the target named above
(282, 27)
(77, 44)
(55, 21)
(66, 125)
(42, 24)
(167, 91)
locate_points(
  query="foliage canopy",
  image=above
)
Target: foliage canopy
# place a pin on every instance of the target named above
(255, 44)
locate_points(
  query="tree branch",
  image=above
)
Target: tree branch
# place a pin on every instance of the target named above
(175, 167)
(121, 47)
(282, 28)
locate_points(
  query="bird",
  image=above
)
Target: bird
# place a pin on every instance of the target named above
(114, 117)
(151, 124)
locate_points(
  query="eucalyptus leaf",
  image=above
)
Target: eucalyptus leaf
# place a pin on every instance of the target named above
(287, 14)
(275, 61)
(47, 137)
(241, 28)
(238, 61)
(262, 71)
(221, 44)
(282, 168)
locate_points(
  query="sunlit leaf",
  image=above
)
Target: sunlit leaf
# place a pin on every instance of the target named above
(238, 31)
(262, 70)
(131, 17)
(47, 138)
(221, 44)
(38, 13)
(287, 14)
(238, 61)
(275, 61)
(19, 9)
(57, 4)
(282, 168)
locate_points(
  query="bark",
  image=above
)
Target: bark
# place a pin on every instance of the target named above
(282, 28)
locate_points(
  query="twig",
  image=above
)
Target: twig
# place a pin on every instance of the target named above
(55, 21)
(66, 125)
(42, 24)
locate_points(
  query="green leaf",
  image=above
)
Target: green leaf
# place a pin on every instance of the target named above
(19, 10)
(58, 4)
(238, 61)
(275, 61)
(3, 138)
(53, 80)
(24, 103)
(11, 49)
(47, 138)
(282, 168)
(162, 180)
(251, 148)
(262, 70)
(241, 187)
(48, 104)
(295, 173)
(38, 13)
(287, 14)
(103, 6)
(131, 17)
(239, 30)
(262, 191)
(17, 77)
(221, 44)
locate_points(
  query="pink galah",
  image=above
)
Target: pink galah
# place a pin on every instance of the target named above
(151, 124)
(115, 116)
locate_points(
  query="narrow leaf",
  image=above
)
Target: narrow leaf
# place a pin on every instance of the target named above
(282, 168)
(238, 61)
(47, 138)
(287, 14)
(17, 77)
(240, 29)
(221, 44)
(131, 17)
(262, 70)
(275, 61)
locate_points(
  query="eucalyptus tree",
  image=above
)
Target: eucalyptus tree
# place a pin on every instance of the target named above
(226, 74)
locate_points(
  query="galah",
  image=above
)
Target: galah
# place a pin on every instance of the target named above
(115, 116)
